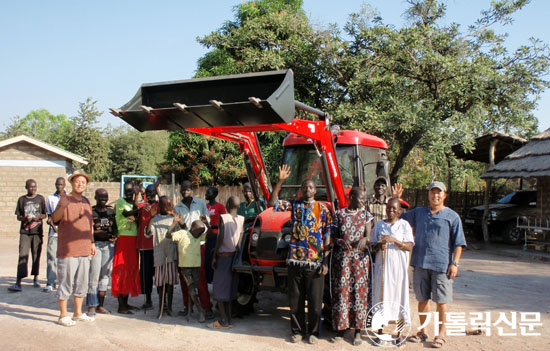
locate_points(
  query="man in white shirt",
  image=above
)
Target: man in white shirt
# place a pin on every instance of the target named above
(51, 205)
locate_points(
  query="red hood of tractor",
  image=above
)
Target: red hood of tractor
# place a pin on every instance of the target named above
(345, 137)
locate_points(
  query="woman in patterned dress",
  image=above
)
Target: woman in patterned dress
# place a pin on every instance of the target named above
(350, 267)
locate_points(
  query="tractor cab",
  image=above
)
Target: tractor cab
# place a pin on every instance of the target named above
(361, 159)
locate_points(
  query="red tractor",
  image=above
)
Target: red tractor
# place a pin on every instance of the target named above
(234, 108)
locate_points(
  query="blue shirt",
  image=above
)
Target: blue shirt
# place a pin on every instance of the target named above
(436, 237)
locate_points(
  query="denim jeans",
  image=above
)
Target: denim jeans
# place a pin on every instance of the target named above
(51, 271)
(100, 271)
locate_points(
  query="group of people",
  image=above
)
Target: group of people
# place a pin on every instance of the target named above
(372, 231)
(139, 243)
(144, 242)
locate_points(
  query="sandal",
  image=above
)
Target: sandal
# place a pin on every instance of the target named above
(66, 321)
(101, 310)
(83, 318)
(475, 331)
(217, 325)
(15, 288)
(438, 342)
(418, 338)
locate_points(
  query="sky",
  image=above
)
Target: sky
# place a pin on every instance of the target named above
(55, 54)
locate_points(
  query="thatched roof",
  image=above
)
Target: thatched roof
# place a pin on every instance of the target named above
(532, 160)
(507, 144)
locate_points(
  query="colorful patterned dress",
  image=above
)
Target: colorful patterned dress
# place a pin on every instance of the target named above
(350, 272)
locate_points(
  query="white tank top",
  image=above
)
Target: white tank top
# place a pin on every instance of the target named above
(232, 229)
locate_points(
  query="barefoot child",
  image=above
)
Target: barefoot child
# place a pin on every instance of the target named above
(225, 280)
(189, 252)
(164, 252)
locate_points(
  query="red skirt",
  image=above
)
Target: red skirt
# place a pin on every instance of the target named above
(125, 275)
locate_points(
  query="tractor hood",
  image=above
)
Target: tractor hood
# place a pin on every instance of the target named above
(235, 100)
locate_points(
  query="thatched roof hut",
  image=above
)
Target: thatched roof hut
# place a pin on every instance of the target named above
(530, 161)
(505, 145)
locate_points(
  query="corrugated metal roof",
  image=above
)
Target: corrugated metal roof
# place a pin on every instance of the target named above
(531, 160)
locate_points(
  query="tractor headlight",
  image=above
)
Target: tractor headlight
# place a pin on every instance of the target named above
(255, 236)
(287, 238)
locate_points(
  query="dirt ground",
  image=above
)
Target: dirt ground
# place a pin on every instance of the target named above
(486, 283)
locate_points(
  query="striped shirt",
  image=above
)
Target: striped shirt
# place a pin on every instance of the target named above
(377, 209)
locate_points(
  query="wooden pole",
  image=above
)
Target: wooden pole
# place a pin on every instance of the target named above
(484, 224)
(173, 189)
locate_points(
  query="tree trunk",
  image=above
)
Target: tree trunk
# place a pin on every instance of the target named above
(404, 151)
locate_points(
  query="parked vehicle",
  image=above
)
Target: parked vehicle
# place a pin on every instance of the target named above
(503, 216)
(234, 108)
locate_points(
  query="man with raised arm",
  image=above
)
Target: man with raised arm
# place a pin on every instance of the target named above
(307, 257)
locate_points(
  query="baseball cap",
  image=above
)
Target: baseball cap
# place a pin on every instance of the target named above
(438, 185)
(381, 179)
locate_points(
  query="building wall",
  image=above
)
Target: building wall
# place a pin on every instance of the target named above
(17, 164)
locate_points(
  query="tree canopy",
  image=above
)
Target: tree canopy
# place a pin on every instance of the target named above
(111, 151)
(427, 85)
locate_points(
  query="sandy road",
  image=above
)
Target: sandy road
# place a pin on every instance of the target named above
(486, 282)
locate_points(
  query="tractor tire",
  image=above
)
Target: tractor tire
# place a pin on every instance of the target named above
(246, 296)
(512, 235)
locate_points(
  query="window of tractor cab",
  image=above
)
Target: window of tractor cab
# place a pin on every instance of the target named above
(306, 164)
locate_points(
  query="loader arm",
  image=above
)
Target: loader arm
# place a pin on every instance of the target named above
(234, 108)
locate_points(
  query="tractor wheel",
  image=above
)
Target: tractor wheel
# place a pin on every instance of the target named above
(246, 296)
(512, 235)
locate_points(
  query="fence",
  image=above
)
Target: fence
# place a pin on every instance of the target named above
(459, 201)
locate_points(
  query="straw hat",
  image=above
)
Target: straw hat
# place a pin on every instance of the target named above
(79, 172)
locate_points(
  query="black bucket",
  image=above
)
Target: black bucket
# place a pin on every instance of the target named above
(236, 100)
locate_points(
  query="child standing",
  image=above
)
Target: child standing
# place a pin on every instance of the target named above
(164, 252)
(189, 253)
(30, 211)
(215, 210)
(225, 280)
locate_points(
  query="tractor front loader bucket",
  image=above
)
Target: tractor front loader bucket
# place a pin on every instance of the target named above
(235, 100)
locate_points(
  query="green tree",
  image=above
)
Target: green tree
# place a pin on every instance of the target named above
(265, 35)
(133, 152)
(427, 85)
(40, 124)
(203, 160)
(84, 138)
(430, 86)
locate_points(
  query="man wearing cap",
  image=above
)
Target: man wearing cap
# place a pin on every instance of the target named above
(439, 240)
(75, 245)
(377, 203)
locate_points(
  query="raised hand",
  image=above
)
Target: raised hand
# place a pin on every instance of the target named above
(397, 190)
(284, 172)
